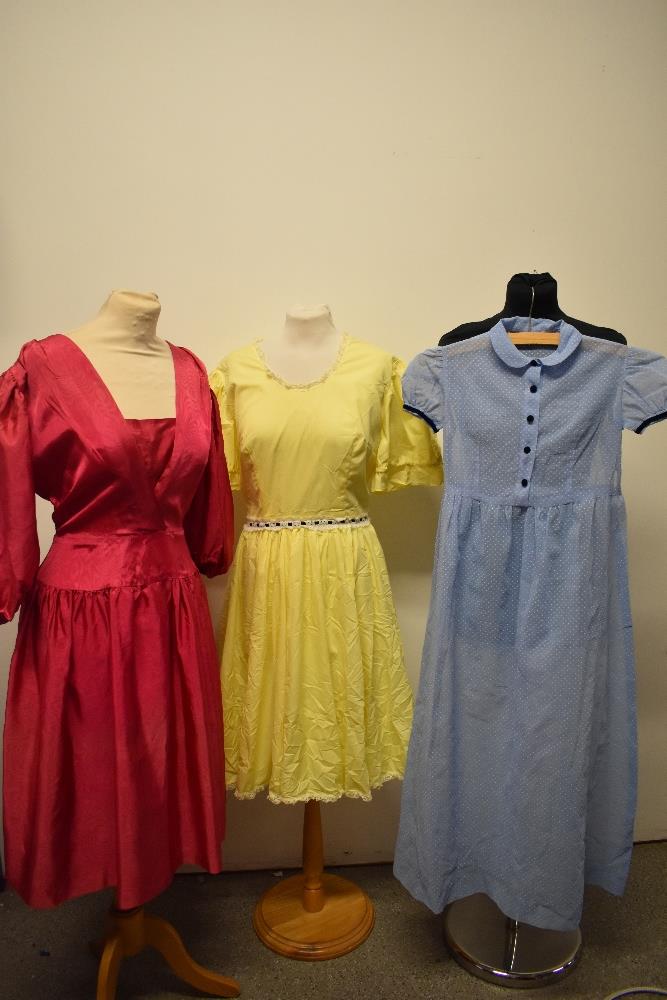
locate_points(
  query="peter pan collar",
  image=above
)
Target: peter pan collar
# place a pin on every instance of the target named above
(570, 338)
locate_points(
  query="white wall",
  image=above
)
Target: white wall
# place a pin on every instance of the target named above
(399, 160)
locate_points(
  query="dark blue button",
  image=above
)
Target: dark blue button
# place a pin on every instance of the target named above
(524, 483)
(533, 388)
(526, 450)
(530, 418)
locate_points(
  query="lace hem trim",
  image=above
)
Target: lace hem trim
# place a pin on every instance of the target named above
(315, 524)
(295, 800)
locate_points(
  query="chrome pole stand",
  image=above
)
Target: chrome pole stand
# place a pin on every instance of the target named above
(505, 952)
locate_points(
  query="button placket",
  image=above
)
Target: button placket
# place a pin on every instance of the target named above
(531, 411)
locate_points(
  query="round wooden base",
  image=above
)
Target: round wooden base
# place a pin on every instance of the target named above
(345, 920)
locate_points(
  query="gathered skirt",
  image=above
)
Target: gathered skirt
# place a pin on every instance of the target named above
(521, 776)
(114, 768)
(317, 701)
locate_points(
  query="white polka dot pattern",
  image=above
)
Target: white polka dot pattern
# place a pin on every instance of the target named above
(521, 775)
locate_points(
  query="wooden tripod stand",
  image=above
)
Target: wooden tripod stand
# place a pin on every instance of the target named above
(313, 915)
(130, 931)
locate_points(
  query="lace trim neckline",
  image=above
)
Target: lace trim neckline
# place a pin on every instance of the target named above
(301, 385)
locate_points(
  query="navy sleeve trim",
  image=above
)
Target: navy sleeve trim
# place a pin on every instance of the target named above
(418, 413)
(651, 420)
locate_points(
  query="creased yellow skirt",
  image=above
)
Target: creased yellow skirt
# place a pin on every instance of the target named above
(317, 703)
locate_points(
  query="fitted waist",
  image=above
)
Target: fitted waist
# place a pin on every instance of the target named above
(88, 561)
(538, 498)
(345, 507)
(315, 524)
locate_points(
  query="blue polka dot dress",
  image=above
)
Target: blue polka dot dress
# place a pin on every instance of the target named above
(521, 774)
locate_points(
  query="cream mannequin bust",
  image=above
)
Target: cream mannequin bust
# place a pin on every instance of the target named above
(136, 366)
(306, 348)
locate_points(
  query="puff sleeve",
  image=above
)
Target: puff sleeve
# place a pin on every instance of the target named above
(407, 453)
(223, 388)
(209, 522)
(19, 545)
(422, 388)
(644, 389)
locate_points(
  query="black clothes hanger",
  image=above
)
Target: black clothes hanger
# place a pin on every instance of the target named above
(531, 295)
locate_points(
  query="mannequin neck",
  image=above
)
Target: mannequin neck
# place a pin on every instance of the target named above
(309, 326)
(306, 348)
(520, 302)
(136, 366)
(130, 315)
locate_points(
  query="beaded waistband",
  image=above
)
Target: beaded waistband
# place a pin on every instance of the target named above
(316, 523)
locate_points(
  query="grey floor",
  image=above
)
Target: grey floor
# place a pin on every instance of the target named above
(43, 954)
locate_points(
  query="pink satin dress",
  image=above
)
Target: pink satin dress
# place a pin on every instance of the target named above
(113, 747)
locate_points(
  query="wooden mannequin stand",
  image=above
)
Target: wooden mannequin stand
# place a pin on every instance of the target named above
(130, 931)
(313, 916)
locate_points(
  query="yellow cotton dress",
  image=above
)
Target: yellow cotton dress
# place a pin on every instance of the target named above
(316, 699)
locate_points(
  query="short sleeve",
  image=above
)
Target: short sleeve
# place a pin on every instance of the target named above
(644, 389)
(19, 545)
(224, 391)
(422, 388)
(209, 521)
(407, 452)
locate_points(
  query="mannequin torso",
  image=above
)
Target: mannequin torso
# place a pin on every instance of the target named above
(136, 366)
(306, 348)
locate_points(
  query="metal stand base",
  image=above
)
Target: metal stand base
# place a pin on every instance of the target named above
(504, 952)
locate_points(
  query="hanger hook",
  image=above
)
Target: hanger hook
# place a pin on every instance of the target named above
(532, 303)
